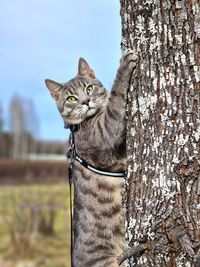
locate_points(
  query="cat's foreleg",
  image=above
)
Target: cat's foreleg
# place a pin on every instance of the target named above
(114, 116)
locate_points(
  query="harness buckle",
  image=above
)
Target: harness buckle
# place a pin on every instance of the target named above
(71, 150)
(69, 153)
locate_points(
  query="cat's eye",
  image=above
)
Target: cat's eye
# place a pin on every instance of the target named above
(89, 89)
(71, 99)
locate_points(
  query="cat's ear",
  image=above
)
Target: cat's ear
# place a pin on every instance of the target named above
(84, 69)
(55, 88)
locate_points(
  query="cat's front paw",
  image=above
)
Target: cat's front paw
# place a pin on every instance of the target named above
(129, 60)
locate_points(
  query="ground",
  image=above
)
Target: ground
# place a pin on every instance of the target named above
(48, 249)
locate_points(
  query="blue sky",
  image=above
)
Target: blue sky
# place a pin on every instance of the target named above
(44, 39)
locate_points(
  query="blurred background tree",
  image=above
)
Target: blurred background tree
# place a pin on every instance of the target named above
(18, 128)
(24, 127)
(1, 118)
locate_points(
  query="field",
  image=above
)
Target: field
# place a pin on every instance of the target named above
(34, 225)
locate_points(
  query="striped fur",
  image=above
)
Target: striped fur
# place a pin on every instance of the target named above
(100, 139)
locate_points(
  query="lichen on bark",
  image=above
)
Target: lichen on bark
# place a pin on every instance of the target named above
(162, 196)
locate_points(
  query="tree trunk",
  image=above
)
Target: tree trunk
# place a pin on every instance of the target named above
(162, 189)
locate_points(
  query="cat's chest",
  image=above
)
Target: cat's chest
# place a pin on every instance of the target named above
(102, 156)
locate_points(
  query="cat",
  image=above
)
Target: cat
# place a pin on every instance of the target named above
(99, 139)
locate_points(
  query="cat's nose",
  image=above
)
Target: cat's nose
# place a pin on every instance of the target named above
(85, 102)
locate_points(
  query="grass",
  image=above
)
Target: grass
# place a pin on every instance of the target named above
(49, 250)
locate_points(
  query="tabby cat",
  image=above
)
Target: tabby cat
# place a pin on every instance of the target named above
(99, 139)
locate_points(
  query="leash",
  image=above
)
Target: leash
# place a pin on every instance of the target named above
(70, 173)
(72, 156)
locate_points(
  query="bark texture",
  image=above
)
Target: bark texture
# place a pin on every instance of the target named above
(162, 196)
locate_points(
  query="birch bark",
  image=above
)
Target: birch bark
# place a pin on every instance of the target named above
(162, 187)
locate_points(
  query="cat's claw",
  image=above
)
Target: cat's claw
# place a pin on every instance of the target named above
(130, 53)
(129, 60)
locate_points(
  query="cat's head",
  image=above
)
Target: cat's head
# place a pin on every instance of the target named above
(80, 97)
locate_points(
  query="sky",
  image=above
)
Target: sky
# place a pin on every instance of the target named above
(44, 39)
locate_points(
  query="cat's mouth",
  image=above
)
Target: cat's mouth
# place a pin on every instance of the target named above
(92, 105)
(91, 110)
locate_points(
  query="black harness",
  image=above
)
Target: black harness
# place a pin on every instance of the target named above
(72, 156)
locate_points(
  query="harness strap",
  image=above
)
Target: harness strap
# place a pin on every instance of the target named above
(88, 165)
(98, 171)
